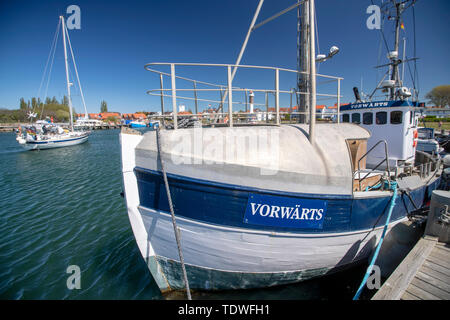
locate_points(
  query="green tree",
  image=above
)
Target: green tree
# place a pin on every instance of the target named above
(62, 115)
(34, 103)
(439, 96)
(65, 101)
(103, 106)
(23, 104)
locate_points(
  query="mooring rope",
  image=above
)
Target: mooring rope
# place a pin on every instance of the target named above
(174, 223)
(377, 250)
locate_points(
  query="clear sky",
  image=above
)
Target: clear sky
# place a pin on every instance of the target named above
(118, 37)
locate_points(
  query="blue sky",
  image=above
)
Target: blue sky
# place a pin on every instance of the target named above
(118, 37)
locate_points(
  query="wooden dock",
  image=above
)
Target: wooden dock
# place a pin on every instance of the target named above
(423, 275)
(425, 272)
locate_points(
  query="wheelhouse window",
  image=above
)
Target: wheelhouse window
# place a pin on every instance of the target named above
(381, 117)
(356, 118)
(396, 117)
(411, 117)
(345, 118)
(367, 118)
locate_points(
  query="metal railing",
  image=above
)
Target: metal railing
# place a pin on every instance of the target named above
(386, 159)
(227, 90)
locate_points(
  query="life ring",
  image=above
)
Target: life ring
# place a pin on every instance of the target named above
(415, 138)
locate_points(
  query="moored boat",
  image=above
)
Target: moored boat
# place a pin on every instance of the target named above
(265, 205)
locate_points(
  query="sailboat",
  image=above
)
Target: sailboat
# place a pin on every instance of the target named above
(237, 207)
(43, 135)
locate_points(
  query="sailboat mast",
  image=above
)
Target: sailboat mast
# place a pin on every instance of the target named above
(67, 73)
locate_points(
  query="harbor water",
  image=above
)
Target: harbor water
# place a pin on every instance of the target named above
(62, 207)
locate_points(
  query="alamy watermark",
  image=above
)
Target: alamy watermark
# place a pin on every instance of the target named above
(74, 280)
(374, 279)
(374, 20)
(74, 20)
(257, 147)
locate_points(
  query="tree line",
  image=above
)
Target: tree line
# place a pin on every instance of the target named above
(50, 107)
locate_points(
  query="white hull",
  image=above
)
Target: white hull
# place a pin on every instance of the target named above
(54, 143)
(242, 256)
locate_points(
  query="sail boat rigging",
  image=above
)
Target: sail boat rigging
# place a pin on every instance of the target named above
(43, 135)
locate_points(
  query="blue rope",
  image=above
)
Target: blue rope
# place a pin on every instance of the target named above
(377, 186)
(377, 250)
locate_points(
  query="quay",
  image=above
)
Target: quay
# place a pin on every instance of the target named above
(425, 272)
(10, 127)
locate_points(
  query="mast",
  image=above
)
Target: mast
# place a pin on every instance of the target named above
(395, 62)
(312, 73)
(403, 59)
(63, 25)
(304, 61)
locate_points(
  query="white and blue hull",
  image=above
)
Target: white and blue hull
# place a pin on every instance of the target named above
(219, 257)
(222, 251)
(54, 143)
(135, 124)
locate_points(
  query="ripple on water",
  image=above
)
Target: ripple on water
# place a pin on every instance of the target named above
(63, 207)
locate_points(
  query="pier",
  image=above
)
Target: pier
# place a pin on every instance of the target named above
(11, 127)
(425, 272)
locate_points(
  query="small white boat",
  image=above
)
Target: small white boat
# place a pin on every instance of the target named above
(138, 124)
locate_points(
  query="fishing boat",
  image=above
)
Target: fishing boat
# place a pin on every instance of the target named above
(42, 135)
(236, 207)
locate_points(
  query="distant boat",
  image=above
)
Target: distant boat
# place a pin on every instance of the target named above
(138, 124)
(45, 135)
(87, 123)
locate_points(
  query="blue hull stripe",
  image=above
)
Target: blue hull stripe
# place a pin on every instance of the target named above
(223, 204)
(55, 141)
(243, 188)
